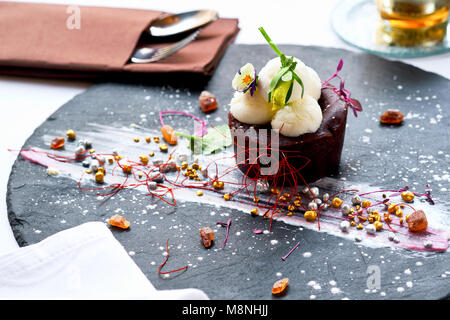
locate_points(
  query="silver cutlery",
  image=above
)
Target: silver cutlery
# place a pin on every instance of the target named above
(168, 26)
(147, 54)
(173, 24)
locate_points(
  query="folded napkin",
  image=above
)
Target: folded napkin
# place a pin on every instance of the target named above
(84, 262)
(49, 40)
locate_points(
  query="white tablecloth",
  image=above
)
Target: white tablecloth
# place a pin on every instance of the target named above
(26, 103)
(84, 262)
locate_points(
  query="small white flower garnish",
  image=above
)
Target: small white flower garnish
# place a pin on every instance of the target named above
(245, 79)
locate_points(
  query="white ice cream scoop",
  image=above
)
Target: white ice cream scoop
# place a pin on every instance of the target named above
(299, 117)
(251, 109)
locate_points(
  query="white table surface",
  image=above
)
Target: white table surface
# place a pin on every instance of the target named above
(25, 103)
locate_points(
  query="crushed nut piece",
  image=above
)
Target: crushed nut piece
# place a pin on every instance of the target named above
(57, 143)
(392, 117)
(417, 221)
(280, 286)
(207, 236)
(119, 221)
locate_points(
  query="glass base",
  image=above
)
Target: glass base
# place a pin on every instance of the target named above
(358, 23)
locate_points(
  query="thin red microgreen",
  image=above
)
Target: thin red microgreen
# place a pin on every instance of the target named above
(287, 255)
(427, 193)
(201, 131)
(228, 230)
(167, 258)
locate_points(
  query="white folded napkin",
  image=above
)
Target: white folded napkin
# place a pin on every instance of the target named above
(84, 262)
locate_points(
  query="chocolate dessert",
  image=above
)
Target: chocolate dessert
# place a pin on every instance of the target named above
(317, 153)
(287, 125)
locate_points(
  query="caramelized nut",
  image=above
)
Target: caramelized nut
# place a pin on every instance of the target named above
(392, 117)
(207, 236)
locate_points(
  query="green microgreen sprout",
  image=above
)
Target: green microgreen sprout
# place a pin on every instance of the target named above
(280, 88)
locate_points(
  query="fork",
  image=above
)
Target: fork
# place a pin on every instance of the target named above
(147, 55)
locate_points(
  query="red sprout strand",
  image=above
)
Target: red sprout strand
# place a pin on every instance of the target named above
(228, 231)
(167, 258)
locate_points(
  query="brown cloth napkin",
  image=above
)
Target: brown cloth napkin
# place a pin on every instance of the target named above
(41, 40)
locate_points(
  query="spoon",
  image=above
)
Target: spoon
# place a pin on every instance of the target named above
(175, 24)
(147, 54)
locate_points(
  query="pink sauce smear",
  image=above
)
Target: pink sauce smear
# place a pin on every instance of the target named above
(329, 220)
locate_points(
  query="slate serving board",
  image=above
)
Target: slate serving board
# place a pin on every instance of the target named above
(248, 266)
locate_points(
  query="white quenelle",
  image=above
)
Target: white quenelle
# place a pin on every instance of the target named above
(309, 77)
(251, 109)
(299, 117)
(311, 82)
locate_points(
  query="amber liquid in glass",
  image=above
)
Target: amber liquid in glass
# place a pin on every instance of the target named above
(412, 22)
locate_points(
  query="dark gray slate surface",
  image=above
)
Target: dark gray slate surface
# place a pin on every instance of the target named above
(237, 272)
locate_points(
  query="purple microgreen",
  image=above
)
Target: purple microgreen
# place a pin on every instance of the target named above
(201, 131)
(287, 255)
(427, 194)
(342, 92)
(339, 67)
(228, 230)
(399, 191)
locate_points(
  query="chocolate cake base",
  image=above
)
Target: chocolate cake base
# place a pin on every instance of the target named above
(306, 158)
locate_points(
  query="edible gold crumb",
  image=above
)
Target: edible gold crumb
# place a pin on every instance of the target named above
(144, 159)
(163, 147)
(365, 203)
(310, 215)
(336, 202)
(71, 134)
